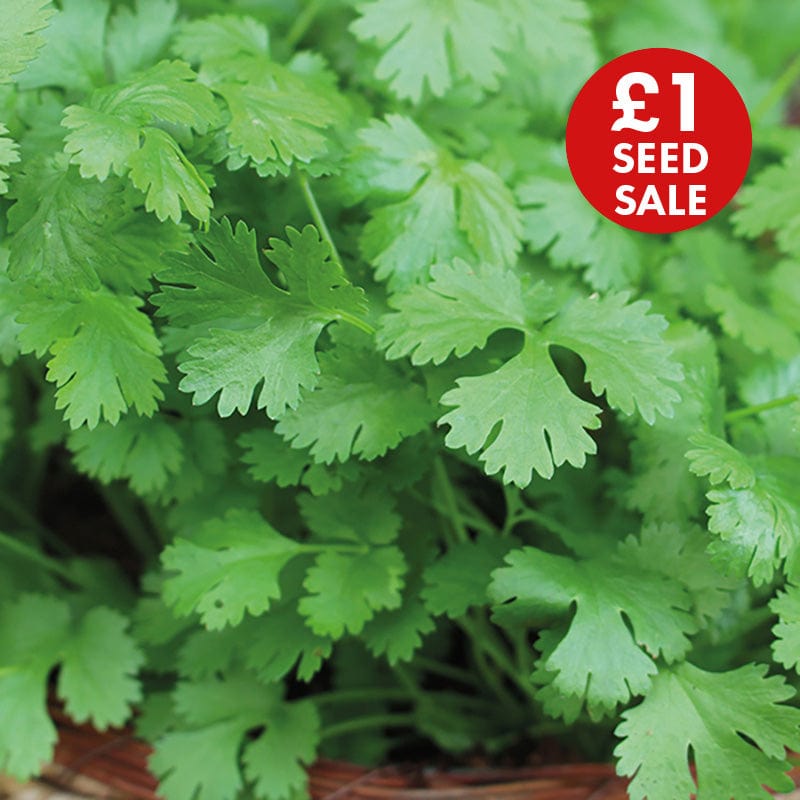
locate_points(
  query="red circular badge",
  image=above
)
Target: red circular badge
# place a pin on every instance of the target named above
(658, 140)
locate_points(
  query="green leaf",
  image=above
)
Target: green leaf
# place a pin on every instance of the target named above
(200, 760)
(660, 486)
(105, 355)
(100, 689)
(279, 640)
(9, 154)
(20, 40)
(146, 452)
(433, 45)
(443, 208)
(37, 633)
(169, 180)
(771, 203)
(366, 515)
(115, 132)
(759, 526)
(231, 566)
(72, 56)
(786, 647)
(625, 355)
(459, 579)
(556, 217)
(397, 634)
(542, 424)
(346, 590)
(720, 461)
(247, 330)
(361, 407)
(454, 313)
(711, 713)
(604, 658)
(137, 37)
(276, 762)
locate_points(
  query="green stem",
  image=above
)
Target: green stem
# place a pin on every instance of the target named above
(446, 671)
(316, 215)
(749, 411)
(34, 556)
(362, 695)
(325, 233)
(302, 23)
(368, 723)
(124, 512)
(469, 520)
(445, 488)
(778, 89)
(547, 522)
(490, 677)
(28, 520)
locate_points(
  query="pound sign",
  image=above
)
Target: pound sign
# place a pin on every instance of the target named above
(629, 107)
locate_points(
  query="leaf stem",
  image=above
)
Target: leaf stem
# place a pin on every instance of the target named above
(368, 723)
(782, 85)
(302, 22)
(362, 695)
(316, 215)
(444, 488)
(122, 509)
(28, 520)
(325, 233)
(35, 557)
(749, 411)
(446, 671)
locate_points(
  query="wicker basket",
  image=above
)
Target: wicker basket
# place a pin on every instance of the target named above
(118, 762)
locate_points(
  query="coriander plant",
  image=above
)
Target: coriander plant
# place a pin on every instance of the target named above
(334, 421)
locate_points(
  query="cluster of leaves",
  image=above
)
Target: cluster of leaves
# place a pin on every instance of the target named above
(402, 437)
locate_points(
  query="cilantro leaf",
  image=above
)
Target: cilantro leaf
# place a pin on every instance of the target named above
(398, 633)
(229, 567)
(757, 517)
(201, 759)
(367, 515)
(72, 56)
(720, 461)
(459, 579)
(138, 36)
(105, 355)
(9, 154)
(276, 117)
(435, 44)
(276, 762)
(114, 132)
(771, 203)
(556, 217)
(660, 486)
(266, 334)
(543, 424)
(786, 647)
(280, 640)
(599, 659)
(102, 690)
(620, 343)
(361, 407)
(624, 352)
(711, 713)
(21, 39)
(147, 452)
(37, 632)
(164, 174)
(442, 207)
(70, 234)
(454, 313)
(346, 590)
